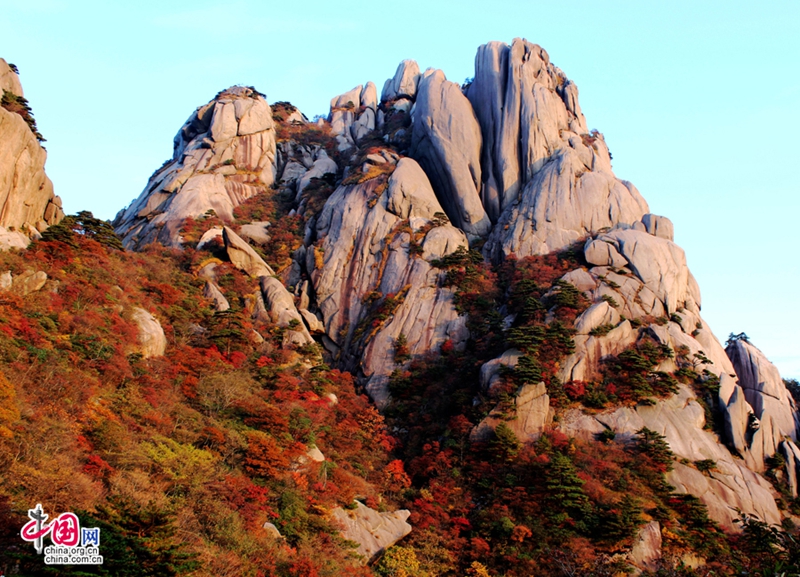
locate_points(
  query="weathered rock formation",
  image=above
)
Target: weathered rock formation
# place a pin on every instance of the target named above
(275, 301)
(546, 180)
(373, 531)
(507, 160)
(403, 84)
(223, 155)
(354, 114)
(151, 340)
(642, 275)
(9, 79)
(375, 281)
(27, 202)
(446, 141)
(25, 283)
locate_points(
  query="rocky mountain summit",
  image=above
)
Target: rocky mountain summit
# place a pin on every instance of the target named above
(27, 202)
(223, 154)
(508, 164)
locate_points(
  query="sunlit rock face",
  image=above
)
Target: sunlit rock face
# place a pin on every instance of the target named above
(506, 163)
(27, 202)
(223, 155)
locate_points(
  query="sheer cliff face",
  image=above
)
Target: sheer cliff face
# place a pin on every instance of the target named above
(27, 202)
(506, 161)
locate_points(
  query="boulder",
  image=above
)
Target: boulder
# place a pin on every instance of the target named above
(256, 232)
(409, 194)
(282, 311)
(208, 236)
(404, 83)
(13, 239)
(532, 411)
(322, 166)
(373, 531)
(272, 531)
(791, 453)
(243, 256)
(601, 253)
(28, 282)
(765, 392)
(646, 551)
(659, 263)
(659, 226)
(364, 125)
(313, 324)
(596, 315)
(152, 341)
(211, 291)
(350, 99)
(369, 96)
(490, 371)
(581, 279)
(314, 454)
(446, 141)
(341, 122)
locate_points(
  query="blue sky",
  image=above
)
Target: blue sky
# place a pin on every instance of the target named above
(699, 103)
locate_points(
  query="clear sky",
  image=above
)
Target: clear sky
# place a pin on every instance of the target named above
(699, 103)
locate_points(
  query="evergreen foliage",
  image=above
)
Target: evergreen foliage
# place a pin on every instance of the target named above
(19, 105)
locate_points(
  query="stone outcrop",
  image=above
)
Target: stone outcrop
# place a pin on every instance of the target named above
(446, 141)
(274, 302)
(545, 179)
(297, 164)
(490, 371)
(243, 256)
(572, 195)
(281, 308)
(23, 284)
(353, 115)
(27, 202)
(223, 155)
(374, 532)
(645, 277)
(680, 419)
(533, 415)
(9, 79)
(374, 254)
(764, 404)
(256, 232)
(646, 551)
(506, 159)
(211, 291)
(404, 83)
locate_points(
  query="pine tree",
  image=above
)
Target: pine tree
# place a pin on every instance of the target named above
(565, 494)
(505, 442)
(655, 446)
